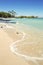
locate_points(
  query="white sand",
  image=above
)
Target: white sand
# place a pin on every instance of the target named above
(6, 56)
(20, 45)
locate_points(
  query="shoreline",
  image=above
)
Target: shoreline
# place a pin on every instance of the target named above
(12, 46)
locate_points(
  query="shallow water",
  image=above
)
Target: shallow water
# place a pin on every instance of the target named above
(33, 22)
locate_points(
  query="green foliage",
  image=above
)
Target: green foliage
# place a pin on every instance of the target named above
(5, 14)
(12, 13)
(27, 17)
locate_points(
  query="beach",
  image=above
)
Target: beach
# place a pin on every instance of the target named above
(21, 32)
(6, 56)
(20, 47)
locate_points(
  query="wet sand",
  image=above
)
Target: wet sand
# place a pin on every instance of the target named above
(32, 47)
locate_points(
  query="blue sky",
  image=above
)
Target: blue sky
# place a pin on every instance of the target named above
(23, 7)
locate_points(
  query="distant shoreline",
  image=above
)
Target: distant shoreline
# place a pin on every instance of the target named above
(21, 17)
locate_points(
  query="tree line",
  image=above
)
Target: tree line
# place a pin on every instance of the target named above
(11, 14)
(27, 17)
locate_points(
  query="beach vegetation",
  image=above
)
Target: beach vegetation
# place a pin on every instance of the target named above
(27, 17)
(5, 14)
(8, 14)
(12, 14)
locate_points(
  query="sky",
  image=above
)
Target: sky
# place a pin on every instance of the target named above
(23, 7)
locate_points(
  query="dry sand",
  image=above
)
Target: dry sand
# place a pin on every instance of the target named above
(6, 56)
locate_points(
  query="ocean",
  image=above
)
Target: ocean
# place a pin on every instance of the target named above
(36, 23)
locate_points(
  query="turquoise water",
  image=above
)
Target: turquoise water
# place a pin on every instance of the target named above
(33, 22)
